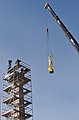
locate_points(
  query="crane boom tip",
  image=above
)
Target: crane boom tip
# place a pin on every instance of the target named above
(46, 5)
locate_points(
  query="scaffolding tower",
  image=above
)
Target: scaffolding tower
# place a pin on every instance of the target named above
(17, 101)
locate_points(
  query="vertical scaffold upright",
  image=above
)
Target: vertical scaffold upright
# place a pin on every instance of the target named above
(17, 101)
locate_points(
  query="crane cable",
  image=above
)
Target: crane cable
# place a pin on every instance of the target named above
(49, 51)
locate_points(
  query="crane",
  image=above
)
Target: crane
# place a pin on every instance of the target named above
(63, 27)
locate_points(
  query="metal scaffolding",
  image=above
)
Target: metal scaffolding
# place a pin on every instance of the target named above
(17, 101)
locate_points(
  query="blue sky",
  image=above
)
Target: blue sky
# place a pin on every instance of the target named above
(22, 35)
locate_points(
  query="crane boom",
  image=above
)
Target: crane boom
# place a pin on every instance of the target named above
(65, 30)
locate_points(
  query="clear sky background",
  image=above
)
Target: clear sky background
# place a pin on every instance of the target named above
(22, 36)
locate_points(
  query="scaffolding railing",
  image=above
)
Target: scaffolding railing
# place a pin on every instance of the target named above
(17, 89)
